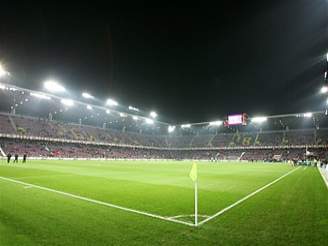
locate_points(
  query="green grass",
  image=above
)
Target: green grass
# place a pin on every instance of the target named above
(293, 211)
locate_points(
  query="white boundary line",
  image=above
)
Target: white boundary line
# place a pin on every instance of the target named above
(97, 202)
(325, 179)
(245, 198)
(188, 215)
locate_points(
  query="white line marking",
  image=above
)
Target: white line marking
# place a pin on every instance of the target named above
(188, 215)
(325, 179)
(245, 198)
(98, 202)
(28, 187)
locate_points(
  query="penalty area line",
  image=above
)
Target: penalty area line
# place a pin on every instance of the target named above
(246, 197)
(96, 201)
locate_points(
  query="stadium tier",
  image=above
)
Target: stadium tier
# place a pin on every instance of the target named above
(48, 138)
(45, 149)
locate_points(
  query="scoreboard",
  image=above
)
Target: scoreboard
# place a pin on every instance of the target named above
(237, 119)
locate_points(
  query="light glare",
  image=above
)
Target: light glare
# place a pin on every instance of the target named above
(324, 89)
(149, 121)
(153, 114)
(171, 129)
(259, 119)
(185, 126)
(2, 87)
(133, 108)
(3, 72)
(307, 115)
(53, 86)
(216, 123)
(67, 102)
(111, 102)
(39, 95)
(87, 95)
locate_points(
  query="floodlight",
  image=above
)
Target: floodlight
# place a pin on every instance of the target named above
(89, 107)
(87, 95)
(111, 102)
(324, 89)
(133, 108)
(153, 114)
(259, 119)
(216, 123)
(307, 115)
(326, 75)
(149, 121)
(2, 87)
(122, 115)
(185, 126)
(327, 56)
(107, 111)
(135, 117)
(54, 86)
(39, 95)
(171, 129)
(67, 102)
(3, 72)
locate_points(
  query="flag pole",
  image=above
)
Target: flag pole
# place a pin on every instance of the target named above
(196, 202)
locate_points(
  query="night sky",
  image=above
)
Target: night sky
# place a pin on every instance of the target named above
(189, 63)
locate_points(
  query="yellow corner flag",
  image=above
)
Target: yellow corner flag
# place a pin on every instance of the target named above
(193, 172)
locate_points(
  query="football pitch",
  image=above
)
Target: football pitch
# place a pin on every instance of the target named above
(152, 203)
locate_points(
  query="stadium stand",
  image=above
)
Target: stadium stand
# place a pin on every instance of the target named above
(47, 138)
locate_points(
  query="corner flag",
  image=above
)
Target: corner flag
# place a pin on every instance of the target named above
(193, 172)
(194, 176)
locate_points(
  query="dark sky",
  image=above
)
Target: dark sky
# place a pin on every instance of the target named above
(189, 63)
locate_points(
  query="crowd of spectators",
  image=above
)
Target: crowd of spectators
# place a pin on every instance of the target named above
(37, 148)
(28, 126)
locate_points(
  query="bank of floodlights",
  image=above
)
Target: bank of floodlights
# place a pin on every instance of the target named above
(307, 115)
(153, 114)
(324, 89)
(3, 71)
(86, 95)
(185, 126)
(216, 123)
(149, 121)
(2, 87)
(133, 108)
(54, 86)
(111, 102)
(171, 129)
(259, 119)
(67, 102)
